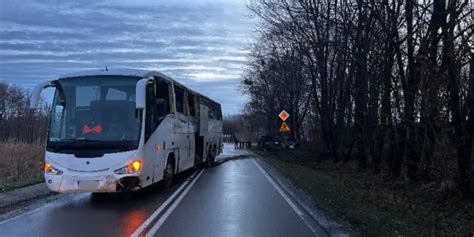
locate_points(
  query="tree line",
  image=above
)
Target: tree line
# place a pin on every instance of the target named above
(388, 84)
(19, 123)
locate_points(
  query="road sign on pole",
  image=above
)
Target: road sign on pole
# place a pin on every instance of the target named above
(284, 127)
(284, 115)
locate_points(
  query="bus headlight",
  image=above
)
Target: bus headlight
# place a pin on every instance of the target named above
(133, 167)
(49, 169)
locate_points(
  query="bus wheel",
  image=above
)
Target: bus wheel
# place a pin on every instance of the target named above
(168, 174)
(210, 159)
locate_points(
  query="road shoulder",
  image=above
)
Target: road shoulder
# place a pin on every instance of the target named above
(333, 227)
(19, 200)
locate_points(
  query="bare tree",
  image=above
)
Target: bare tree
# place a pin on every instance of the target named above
(384, 80)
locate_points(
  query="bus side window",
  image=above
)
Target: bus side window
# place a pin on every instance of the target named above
(151, 116)
(211, 113)
(179, 94)
(163, 102)
(215, 111)
(192, 109)
(172, 102)
(219, 112)
(186, 104)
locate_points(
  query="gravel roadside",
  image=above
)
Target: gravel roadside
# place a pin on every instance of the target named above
(23, 194)
(17, 201)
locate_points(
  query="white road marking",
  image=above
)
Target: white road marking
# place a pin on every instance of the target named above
(168, 212)
(286, 197)
(147, 222)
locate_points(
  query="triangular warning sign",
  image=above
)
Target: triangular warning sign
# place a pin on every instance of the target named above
(284, 127)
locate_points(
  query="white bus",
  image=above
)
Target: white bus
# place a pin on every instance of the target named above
(122, 130)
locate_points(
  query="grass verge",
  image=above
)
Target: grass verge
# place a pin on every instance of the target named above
(5, 187)
(20, 165)
(377, 205)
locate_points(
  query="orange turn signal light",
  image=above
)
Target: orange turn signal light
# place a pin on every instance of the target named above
(135, 166)
(47, 167)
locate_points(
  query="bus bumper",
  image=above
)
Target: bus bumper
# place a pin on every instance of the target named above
(65, 183)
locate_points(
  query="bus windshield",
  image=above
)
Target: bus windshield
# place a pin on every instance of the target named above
(96, 113)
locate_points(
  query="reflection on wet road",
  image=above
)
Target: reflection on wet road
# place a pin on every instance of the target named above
(234, 198)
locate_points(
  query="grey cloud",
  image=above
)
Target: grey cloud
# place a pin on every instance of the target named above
(201, 43)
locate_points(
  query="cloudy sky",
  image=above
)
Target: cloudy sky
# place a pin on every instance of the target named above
(201, 43)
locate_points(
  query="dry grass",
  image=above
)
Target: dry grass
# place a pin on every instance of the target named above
(20, 164)
(376, 204)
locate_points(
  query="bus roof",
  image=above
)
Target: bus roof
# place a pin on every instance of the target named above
(129, 72)
(115, 72)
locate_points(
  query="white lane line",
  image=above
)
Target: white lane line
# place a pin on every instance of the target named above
(168, 212)
(286, 197)
(147, 222)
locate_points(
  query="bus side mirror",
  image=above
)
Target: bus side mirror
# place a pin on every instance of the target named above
(36, 94)
(140, 93)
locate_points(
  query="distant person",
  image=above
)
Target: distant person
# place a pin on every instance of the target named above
(236, 141)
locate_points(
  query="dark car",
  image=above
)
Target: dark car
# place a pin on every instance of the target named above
(269, 143)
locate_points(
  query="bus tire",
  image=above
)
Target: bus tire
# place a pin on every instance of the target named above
(211, 158)
(168, 173)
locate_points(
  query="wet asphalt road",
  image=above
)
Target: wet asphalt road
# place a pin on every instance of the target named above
(234, 198)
